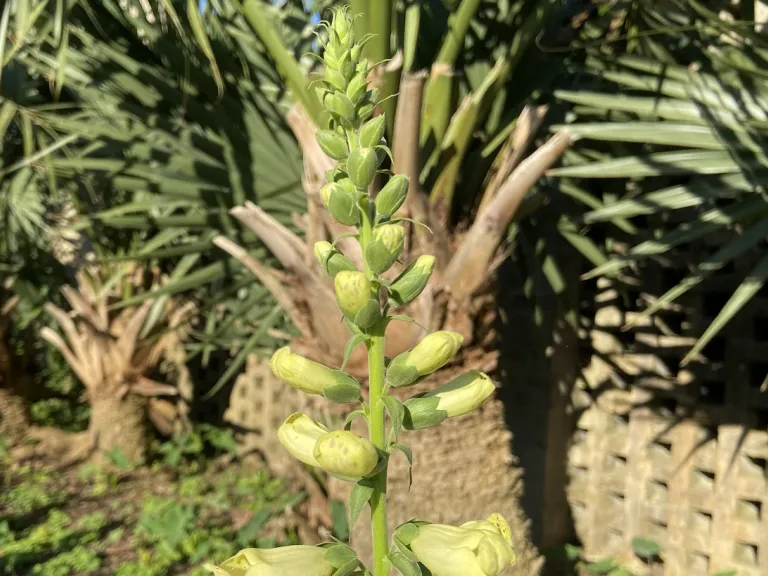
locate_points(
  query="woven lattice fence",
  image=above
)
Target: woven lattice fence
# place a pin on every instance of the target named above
(674, 454)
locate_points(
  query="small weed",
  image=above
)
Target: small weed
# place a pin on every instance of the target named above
(101, 480)
(30, 496)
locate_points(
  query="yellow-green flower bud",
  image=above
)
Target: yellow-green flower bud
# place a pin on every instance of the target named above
(334, 77)
(333, 144)
(346, 67)
(346, 454)
(457, 397)
(357, 86)
(339, 106)
(372, 131)
(408, 285)
(365, 108)
(342, 25)
(306, 375)
(361, 167)
(354, 294)
(299, 435)
(282, 561)
(331, 260)
(341, 203)
(385, 247)
(432, 353)
(392, 196)
(474, 549)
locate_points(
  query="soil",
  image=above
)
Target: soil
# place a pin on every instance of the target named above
(121, 503)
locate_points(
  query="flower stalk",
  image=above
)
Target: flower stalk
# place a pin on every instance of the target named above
(355, 139)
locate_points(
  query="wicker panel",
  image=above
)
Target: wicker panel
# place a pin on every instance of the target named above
(677, 455)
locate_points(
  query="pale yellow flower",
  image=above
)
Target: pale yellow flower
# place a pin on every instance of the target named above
(479, 548)
(285, 561)
(299, 434)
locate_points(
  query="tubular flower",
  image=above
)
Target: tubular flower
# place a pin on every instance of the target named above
(479, 548)
(306, 375)
(432, 353)
(459, 396)
(284, 561)
(346, 454)
(299, 434)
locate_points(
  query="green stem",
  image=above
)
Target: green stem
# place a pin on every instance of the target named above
(377, 434)
(376, 423)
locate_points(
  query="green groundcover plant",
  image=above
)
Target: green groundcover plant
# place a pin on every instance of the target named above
(355, 140)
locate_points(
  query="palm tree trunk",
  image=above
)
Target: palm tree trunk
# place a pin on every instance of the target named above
(14, 416)
(120, 423)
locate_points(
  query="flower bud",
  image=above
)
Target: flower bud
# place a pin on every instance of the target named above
(481, 548)
(408, 285)
(372, 131)
(361, 167)
(331, 260)
(333, 76)
(457, 397)
(339, 105)
(341, 203)
(356, 51)
(333, 144)
(282, 561)
(392, 195)
(357, 86)
(346, 68)
(306, 375)
(342, 25)
(365, 109)
(432, 353)
(385, 247)
(354, 294)
(299, 434)
(346, 454)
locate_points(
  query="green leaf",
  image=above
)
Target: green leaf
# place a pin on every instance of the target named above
(198, 29)
(659, 164)
(706, 223)
(343, 393)
(605, 566)
(409, 455)
(351, 416)
(573, 552)
(697, 193)
(586, 246)
(652, 106)
(646, 549)
(340, 523)
(348, 568)
(736, 247)
(396, 413)
(663, 133)
(339, 555)
(406, 532)
(403, 565)
(242, 356)
(743, 294)
(352, 344)
(358, 497)
(118, 458)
